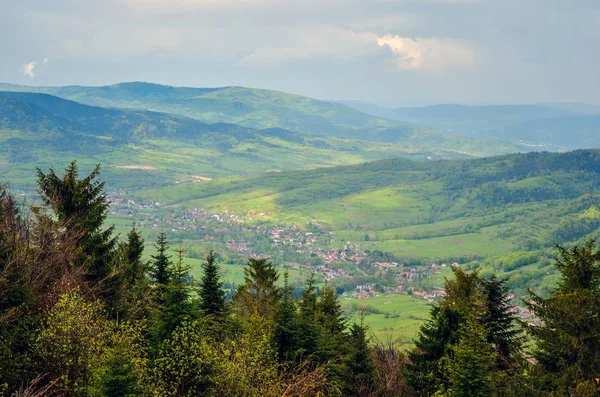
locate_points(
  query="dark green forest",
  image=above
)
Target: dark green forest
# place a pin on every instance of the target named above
(82, 314)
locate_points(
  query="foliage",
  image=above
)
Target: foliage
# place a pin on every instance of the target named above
(71, 343)
(81, 206)
(567, 335)
(259, 293)
(187, 364)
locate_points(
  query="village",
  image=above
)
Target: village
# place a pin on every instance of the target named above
(305, 247)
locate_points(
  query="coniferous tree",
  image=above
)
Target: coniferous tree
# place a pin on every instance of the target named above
(463, 300)
(330, 312)
(212, 299)
(500, 323)
(287, 329)
(309, 339)
(359, 379)
(135, 269)
(568, 333)
(308, 304)
(332, 340)
(177, 306)
(134, 276)
(470, 367)
(81, 207)
(161, 262)
(423, 373)
(258, 295)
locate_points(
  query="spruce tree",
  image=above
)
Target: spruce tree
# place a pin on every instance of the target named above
(309, 339)
(287, 328)
(332, 339)
(568, 333)
(463, 300)
(135, 269)
(212, 299)
(330, 313)
(423, 372)
(359, 379)
(81, 207)
(258, 295)
(308, 305)
(177, 306)
(161, 262)
(500, 323)
(470, 367)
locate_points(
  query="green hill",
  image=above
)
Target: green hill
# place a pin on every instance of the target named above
(257, 108)
(504, 212)
(249, 107)
(144, 148)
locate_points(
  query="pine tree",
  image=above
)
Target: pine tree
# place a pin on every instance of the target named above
(359, 365)
(470, 367)
(287, 328)
(177, 306)
(463, 300)
(500, 323)
(423, 373)
(81, 207)
(258, 295)
(330, 312)
(212, 299)
(135, 269)
(161, 262)
(568, 335)
(309, 338)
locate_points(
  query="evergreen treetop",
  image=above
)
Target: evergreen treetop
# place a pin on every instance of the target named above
(212, 299)
(161, 262)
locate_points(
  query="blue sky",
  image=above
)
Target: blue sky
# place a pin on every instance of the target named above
(398, 52)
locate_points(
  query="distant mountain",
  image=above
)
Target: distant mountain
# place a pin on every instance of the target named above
(248, 107)
(41, 129)
(583, 108)
(550, 126)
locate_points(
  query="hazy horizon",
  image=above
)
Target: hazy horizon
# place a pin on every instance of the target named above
(391, 53)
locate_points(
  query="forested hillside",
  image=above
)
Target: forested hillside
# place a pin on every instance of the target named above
(262, 109)
(147, 149)
(83, 314)
(245, 106)
(498, 213)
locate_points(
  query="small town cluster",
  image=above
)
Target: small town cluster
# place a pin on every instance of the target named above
(313, 250)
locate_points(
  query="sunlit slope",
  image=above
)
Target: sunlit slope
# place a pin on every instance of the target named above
(472, 208)
(260, 109)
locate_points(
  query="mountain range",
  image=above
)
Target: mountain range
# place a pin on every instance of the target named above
(38, 129)
(544, 126)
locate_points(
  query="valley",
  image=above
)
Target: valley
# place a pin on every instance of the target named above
(390, 212)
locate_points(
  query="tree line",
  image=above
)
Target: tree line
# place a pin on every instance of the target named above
(83, 314)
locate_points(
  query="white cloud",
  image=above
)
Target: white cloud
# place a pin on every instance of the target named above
(45, 61)
(29, 69)
(428, 53)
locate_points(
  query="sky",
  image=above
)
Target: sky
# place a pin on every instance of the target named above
(388, 52)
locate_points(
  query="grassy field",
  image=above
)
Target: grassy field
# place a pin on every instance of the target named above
(395, 315)
(478, 212)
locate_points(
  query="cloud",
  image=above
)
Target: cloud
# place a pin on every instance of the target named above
(45, 61)
(428, 53)
(29, 69)
(306, 43)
